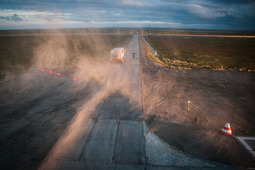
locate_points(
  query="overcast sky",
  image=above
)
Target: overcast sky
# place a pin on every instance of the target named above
(200, 14)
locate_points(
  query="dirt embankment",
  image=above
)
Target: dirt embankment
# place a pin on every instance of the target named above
(215, 98)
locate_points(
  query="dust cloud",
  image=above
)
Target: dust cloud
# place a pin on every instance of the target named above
(82, 55)
(51, 52)
(106, 79)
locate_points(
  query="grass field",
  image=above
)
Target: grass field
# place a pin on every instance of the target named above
(205, 53)
(173, 31)
(17, 52)
(75, 31)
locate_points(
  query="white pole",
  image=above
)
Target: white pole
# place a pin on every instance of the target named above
(188, 105)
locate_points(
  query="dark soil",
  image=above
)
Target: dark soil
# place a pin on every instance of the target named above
(33, 117)
(216, 98)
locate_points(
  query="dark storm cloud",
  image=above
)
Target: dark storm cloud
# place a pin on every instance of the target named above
(214, 10)
(14, 17)
(211, 14)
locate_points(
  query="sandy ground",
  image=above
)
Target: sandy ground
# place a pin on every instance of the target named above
(215, 99)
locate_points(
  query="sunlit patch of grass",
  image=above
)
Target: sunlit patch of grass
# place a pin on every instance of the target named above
(235, 54)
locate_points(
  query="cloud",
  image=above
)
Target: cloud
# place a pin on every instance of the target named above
(207, 13)
(242, 11)
(13, 17)
(157, 13)
(212, 10)
(136, 3)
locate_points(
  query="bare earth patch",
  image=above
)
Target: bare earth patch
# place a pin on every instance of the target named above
(216, 98)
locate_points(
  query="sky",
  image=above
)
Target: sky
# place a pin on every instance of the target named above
(197, 14)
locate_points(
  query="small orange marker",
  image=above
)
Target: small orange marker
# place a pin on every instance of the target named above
(58, 74)
(42, 70)
(50, 72)
(226, 130)
(75, 79)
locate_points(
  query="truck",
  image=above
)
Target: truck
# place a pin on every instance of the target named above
(117, 55)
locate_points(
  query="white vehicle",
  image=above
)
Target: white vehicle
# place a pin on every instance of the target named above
(117, 55)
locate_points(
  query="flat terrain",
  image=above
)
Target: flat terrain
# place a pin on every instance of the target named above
(107, 131)
(19, 51)
(197, 32)
(36, 107)
(35, 110)
(201, 52)
(216, 97)
(97, 122)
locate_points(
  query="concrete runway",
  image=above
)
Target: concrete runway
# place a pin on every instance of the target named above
(112, 134)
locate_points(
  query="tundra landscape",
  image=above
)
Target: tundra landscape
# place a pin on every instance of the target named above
(185, 106)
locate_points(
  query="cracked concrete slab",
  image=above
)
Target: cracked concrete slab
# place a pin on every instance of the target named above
(67, 165)
(100, 146)
(66, 150)
(112, 108)
(129, 167)
(130, 152)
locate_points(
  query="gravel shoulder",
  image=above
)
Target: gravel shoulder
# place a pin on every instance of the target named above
(216, 98)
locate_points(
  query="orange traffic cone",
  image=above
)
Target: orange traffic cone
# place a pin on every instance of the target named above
(226, 130)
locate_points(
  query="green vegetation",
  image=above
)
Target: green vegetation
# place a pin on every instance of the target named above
(205, 53)
(17, 52)
(152, 57)
(67, 31)
(174, 31)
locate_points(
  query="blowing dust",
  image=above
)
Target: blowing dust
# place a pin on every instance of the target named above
(106, 79)
(84, 56)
